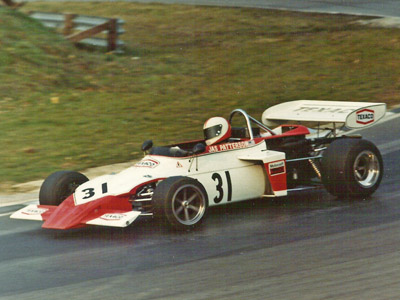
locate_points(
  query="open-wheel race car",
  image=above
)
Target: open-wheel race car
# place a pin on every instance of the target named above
(296, 146)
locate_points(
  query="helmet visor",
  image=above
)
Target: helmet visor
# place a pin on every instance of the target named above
(213, 131)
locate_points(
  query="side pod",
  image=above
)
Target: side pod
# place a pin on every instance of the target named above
(275, 168)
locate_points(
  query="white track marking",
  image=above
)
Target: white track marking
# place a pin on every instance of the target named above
(7, 214)
(389, 147)
(22, 202)
(26, 203)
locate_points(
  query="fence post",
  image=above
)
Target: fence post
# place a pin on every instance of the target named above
(69, 24)
(13, 4)
(112, 35)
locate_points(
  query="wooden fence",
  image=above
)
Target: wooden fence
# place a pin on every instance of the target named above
(81, 29)
(12, 4)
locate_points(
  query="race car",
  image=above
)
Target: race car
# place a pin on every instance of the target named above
(298, 145)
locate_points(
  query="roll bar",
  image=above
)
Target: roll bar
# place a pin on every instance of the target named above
(249, 119)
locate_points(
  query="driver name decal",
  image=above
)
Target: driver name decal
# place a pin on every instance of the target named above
(147, 163)
(365, 116)
(228, 146)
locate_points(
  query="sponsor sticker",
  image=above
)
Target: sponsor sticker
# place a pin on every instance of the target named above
(323, 109)
(34, 211)
(147, 163)
(365, 116)
(112, 217)
(277, 168)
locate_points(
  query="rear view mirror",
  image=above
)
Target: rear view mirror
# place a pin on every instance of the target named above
(147, 145)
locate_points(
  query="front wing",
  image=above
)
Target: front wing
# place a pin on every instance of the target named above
(101, 217)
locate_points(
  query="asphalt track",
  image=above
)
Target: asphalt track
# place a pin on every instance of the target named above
(305, 246)
(387, 8)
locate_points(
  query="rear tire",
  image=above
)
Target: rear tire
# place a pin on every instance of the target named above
(60, 185)
(180, 202)
(352, 168)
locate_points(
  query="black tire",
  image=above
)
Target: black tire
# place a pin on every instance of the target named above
(352, 168)
(59, 185)
(180, 202)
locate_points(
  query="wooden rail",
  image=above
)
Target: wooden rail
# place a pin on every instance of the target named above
(12, 4)
(81, 29)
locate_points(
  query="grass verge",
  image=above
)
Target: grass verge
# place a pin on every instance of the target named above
(64, 108)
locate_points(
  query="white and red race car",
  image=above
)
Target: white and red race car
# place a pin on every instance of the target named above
(176, 184)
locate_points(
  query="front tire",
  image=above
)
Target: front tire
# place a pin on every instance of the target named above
(59, 185)
(352, 168)
(180, 202)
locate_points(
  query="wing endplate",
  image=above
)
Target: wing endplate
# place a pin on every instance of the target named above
(34, 212)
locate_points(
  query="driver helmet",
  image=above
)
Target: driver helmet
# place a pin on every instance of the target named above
(216, 130)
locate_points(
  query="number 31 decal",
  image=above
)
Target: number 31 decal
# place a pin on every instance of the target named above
(90, 192)
(220, 186)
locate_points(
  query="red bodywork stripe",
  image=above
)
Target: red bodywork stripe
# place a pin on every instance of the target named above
(49, 212)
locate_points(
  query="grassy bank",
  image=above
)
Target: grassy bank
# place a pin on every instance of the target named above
(64, 108)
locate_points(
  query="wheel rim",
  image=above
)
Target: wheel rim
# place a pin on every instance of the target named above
(366, 169)
(188, 204)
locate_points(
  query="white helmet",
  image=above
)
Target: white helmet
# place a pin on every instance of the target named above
(216, 130)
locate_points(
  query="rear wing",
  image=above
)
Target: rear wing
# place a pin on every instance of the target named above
(316, 113)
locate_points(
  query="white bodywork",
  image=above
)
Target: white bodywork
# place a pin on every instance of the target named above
(245, 168)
